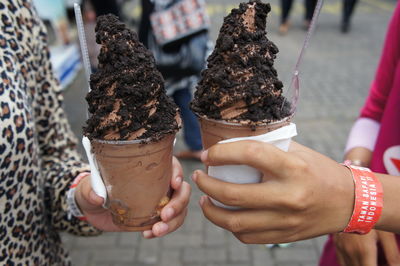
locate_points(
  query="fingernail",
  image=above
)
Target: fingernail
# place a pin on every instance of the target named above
(169, 213)
(204, 156)
(94, 198)
(202, 199)
(194, 176)
(178, 180)
(161, 229)
(147, 234)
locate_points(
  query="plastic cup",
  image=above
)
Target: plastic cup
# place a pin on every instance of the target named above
(137, 177)
(214, 131)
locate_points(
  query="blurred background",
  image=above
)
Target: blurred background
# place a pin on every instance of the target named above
(334, 80)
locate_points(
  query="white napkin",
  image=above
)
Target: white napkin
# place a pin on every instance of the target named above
(95, 177)
(243, 174)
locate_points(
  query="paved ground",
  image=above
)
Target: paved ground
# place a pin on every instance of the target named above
(334, 82)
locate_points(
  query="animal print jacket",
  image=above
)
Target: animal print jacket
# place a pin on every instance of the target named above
(38, 160)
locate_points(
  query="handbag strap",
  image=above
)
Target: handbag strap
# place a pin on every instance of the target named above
(162, 4)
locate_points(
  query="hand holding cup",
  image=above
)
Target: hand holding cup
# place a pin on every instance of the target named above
(302, 194)
(172, 215)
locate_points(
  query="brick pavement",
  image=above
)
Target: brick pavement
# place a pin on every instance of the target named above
(334, 82)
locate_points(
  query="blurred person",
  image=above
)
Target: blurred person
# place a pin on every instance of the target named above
(91, 9)
(286, 6)
(54, 13)
(372, 140)
(105, 7)
(347, 12)
(304, 194)
(178, 85)
(38, 158)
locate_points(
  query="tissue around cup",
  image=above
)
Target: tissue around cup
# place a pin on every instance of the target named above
(243, 174)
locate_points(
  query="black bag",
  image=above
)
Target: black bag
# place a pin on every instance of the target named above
(179, 38)
(182, 58)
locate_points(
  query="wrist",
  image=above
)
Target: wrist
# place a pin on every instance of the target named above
(355, 162)
(346, 205)
(359, 156)
(73, 197)
(390, 217)
(368, 200)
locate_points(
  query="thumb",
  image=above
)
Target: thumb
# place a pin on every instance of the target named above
(389, 245)
(86, 198)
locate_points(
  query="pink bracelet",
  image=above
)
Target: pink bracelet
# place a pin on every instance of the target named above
(368, 201)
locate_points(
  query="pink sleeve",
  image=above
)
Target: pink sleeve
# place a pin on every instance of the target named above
(363, 134)
(380, 88)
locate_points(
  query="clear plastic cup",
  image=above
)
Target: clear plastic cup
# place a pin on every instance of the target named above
(137, 177)
(214, 131)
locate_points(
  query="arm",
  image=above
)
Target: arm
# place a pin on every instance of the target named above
(357, 249)
(60, 161)
(365, 130)
(353, 249)
(304, 194)
(383, 82)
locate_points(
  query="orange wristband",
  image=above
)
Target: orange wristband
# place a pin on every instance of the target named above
(368, 201)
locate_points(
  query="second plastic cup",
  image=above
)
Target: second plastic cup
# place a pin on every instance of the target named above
(137, 177)
(214, 131)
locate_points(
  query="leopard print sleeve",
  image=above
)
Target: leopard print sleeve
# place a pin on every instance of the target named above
(60, 160)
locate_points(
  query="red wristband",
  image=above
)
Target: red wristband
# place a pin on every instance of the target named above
(368, 201)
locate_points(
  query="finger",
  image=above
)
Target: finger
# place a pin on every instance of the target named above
(177, 174)
(266, 237)
(172, 225)
(365, 254)
(148, 234)
(368, 258)
(362, 252)
(346, 259)
(389, 246)
(161, 229)
(340, 258)
(343, 258)
(260, 155)
(86, 198)
(177, 204)
(246, 220)
(260, 195)
(343, 254)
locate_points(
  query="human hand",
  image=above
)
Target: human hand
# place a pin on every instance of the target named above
(172, 215)
(359, 156)
(354, 249)
(303, 194)
(361, 250)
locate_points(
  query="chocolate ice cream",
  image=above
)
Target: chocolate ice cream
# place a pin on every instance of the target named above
(240, 83)
(128, 99)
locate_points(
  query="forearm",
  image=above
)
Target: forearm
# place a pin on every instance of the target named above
(363, 134)
(59, 176)
(390, 218)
